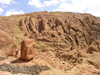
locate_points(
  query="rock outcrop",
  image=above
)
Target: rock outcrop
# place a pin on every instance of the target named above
(28, 49)
(7, 44)
(68, 43)
(95, 59)
(73, 30)
(83, 69)
(92, 48)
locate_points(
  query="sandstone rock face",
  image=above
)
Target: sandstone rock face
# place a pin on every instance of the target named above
(92, 48)
(7, 44)
(75, 30)
(83, 69)
(28, 49)
(66, 42)
(95, 59)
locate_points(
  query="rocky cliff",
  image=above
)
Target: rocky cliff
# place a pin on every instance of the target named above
(71, 30)
(68, 43)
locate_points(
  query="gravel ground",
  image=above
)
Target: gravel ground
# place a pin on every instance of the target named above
(31, 70)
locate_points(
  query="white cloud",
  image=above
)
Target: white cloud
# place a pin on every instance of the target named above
(1, 10)
(75, 6)
(7, 1)
(52, 2)
(38, 4)
(14, 2)
(3, 6)
(63, 0)
(94, 7)
(13, 12)
(91, 6)
(81, 6)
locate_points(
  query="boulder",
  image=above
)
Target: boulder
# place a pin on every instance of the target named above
(28, 49)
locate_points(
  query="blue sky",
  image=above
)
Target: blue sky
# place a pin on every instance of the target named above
(11, 7)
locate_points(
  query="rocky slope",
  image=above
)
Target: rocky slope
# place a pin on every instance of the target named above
(63, 30)
(65, 41)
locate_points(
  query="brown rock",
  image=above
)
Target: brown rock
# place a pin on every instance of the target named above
(52, 72)
(4, 73)
(94, 27)
(92, 48)
(32, 25)
(71, 41)
(95, 59)
(41, 62)
(27, 20)
(94, 33)
(23, 27)
(78, 27)
(7, 44)
(98, 35)
(14, 51)
(22, 22)
(80, 34)
(43, 24)
(82, 53)
(28, 49)
(60, 30)
(72, 32)
(82, 69)
(47, 39)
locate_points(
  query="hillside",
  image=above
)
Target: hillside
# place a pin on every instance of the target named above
(68, 43)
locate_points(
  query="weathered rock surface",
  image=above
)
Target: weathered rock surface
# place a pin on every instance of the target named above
(28, 49)
(8, 45)
(92, 48)
(49, 59)
(83, 69)
(66, 42)
(75, 30)
(95, 59)
(52, 72)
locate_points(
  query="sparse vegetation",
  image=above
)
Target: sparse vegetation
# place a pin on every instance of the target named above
(96, 73)
(70, 57)
(43, 47)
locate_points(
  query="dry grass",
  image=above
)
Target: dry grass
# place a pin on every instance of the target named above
(13, 30)
(68, 56)
(43, 47)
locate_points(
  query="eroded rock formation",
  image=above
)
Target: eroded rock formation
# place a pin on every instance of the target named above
(63, 40)
(76, 31)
